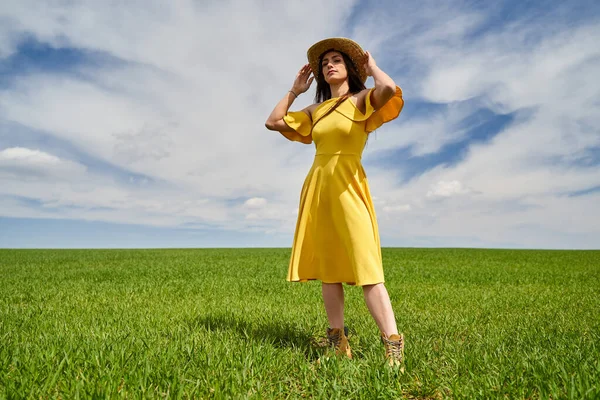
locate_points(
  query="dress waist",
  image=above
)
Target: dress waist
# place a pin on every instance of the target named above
(319, 154)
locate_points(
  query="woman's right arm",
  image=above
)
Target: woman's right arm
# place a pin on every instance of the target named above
(275, 121)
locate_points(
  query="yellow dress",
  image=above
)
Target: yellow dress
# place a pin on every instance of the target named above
(336, 237)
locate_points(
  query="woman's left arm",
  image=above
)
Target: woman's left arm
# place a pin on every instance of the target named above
(385, 87)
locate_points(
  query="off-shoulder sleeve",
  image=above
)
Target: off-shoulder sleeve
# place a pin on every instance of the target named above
(389, 111)
(301, 123)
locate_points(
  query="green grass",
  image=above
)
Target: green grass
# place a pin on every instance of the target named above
(225, 324)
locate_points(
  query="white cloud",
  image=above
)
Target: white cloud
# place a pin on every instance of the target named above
(397, 208)
(28, 156)
(543, 71)
(447, 189)
(256, 202)
(34, 165)
(174, 94)
(178, 98)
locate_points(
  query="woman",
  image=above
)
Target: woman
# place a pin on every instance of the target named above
(336, 239)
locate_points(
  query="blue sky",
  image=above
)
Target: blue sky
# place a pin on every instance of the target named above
(131, 126)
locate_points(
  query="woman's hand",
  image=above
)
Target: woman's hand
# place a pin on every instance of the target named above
(302, 82)
(385, 88)
(370, 63)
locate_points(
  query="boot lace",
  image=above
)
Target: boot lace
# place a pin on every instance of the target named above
(394, 348)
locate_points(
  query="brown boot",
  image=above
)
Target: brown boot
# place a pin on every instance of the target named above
(339, 342)
(394, 350)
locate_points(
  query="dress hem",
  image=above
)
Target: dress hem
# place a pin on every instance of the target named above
(304, 280)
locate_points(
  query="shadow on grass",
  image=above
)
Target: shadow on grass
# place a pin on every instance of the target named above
(277, 334)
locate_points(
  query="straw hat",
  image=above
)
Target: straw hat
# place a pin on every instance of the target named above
(350, 47)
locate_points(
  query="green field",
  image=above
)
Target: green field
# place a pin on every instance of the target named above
(224, 323)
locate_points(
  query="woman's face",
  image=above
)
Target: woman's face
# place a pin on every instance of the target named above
(333, 67)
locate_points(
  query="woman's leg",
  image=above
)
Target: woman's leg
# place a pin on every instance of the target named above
(380, 306)
(333, 297)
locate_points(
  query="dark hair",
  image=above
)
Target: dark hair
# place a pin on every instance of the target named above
(323, 88)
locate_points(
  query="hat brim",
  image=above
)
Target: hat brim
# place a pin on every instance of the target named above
(345, 45)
